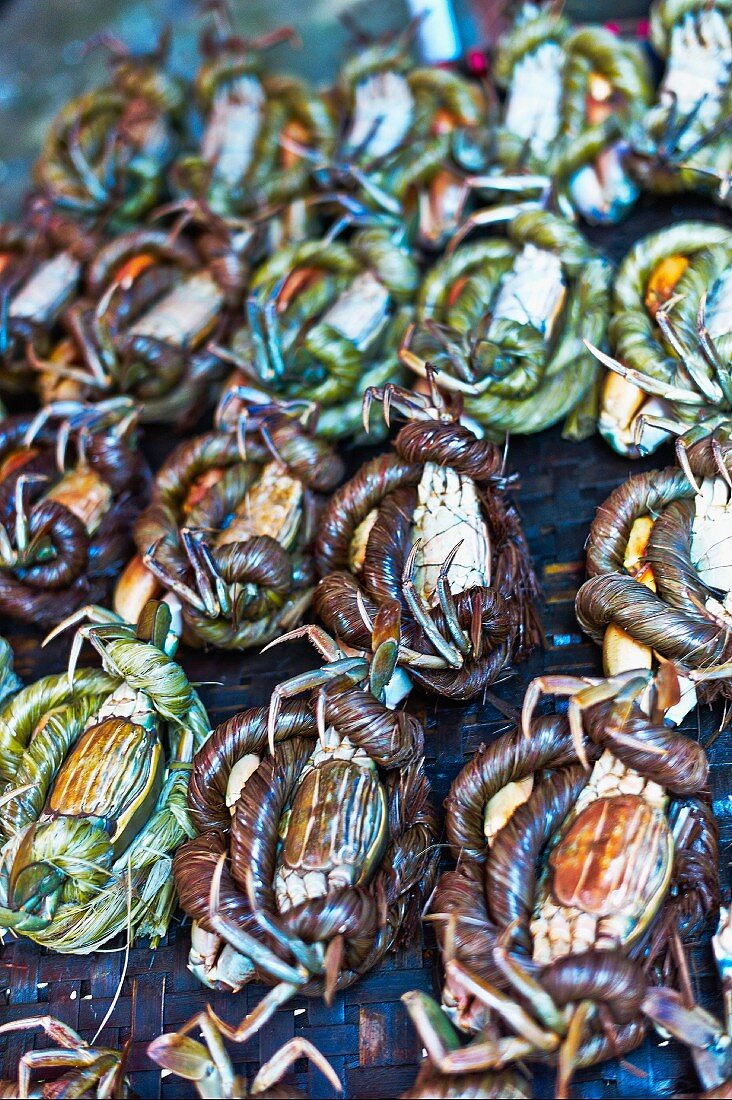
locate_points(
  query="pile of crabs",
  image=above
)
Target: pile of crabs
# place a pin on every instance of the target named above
(248, 276)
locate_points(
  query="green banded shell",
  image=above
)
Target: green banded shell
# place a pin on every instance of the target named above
(113, 774)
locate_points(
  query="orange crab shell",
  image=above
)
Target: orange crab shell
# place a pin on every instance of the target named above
(615, 859)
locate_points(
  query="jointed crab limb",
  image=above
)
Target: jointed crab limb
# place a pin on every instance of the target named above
(506, 1007)
(213, 589)
(421, 611)
(248, 945)
(210, 1067)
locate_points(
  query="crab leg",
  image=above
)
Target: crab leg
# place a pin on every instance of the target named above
(215, 596)
(514, 1015)
(421, 611)
(169, 580)
(271, 1072)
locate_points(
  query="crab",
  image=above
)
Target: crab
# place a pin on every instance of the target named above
(670, 335)
(572, 888)
(253, 124)
(302, 876)
(428, 526)
(324, 320)
(503, 321)
(571, 94)
(107, 151)
(71, 482)
(658, 573)
(92, 804)
(88, 1070)
(230, 525)
(684, 141)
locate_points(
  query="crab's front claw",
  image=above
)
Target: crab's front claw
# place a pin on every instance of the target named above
(183, 1056)
(385, 646)
(34, 889)
(695, 1028)
(437, 1034)
(213, 590)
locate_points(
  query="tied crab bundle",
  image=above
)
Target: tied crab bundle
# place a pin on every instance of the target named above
(428, 526)
(504, 319)
(208, 1065)
(71, 484)
(87, 1070)
(254, 127)
(410, 134)
(587, 856)
(324, 321)
(94, 770)
(41, 268)
(571, 94)
(659, 570)
(230, 527)
(671, 334)
(107, 152)
(685, 140)
(154, 301)
(317, 840)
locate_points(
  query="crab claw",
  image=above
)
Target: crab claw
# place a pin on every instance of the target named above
(214, 592)
(181, 1055)
(385, 646)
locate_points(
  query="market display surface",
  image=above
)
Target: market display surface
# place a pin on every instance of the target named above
(365, 471)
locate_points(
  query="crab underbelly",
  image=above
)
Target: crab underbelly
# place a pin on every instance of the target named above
(383, 113)
(711, 543)
(534, 102)
(609, 872)
(718, 318)
(233, 129)
(335, 831)
(48, 291)
(448, 513)
(361, 312)
(185, 316)
(699, 69)
(533, 291)
(272, 506)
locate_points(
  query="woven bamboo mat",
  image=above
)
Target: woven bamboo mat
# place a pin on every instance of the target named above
(366, 1034)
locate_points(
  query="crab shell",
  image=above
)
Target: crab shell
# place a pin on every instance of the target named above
(614, 859)
(114, 774)
(337, 825)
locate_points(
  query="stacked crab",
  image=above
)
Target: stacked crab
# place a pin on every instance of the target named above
(289, 258)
